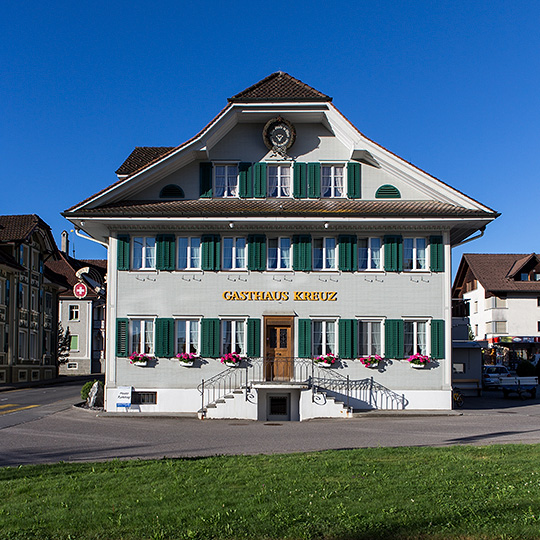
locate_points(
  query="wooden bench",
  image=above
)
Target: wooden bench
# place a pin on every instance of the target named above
(468, 384)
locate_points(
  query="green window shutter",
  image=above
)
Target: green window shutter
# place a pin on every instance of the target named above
(314, 180)
(165, 252)
(205, 179)
(122, 337)
(302, 254)
(123, 252)
(304, 338)
(393, 338)
(211, 252)
(164, 338)
(245, 180)
(259, 180)
(210, 338)
(393, 253)
(354, 180)
(437, 339)
(348, 253)
(254, 338)
(436, 255)
(300, 181)
(257, 252)
(347, 335)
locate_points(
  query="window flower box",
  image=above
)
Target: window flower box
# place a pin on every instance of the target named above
(187, 359)
(231, 359)
(139, 359)
(371, 361)
(419, 361)
(325, 360)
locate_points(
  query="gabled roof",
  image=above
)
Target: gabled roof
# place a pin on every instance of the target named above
(18, 228)
(279, 86)
(65, 270)
(142, 156)
(493, 270)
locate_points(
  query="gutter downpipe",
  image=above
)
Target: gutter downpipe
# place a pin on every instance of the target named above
(77, 232)
(482, 232)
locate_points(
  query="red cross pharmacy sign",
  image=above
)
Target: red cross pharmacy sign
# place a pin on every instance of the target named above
(80, 290)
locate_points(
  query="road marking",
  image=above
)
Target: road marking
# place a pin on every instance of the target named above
(16, 409)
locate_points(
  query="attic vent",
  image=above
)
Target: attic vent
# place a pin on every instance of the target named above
(388, 192)
(172, 191)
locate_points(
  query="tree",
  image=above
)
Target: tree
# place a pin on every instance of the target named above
(64, 344)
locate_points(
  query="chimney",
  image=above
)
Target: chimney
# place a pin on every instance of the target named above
(65, 243)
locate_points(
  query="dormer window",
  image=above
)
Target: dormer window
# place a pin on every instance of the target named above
(332, 181)
(226, 181)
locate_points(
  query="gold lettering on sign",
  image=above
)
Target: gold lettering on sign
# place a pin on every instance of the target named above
(280, 296)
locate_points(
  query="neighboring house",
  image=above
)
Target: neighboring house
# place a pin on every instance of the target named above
(503, 296)
(28, 300)
(279, 232)
(83, 316)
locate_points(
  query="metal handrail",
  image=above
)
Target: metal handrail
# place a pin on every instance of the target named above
(222, 384)
(292, 370)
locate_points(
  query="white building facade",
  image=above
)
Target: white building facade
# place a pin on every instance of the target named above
(502, 292)
(281, 233)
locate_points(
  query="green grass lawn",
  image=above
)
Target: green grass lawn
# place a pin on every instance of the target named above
(459, 492)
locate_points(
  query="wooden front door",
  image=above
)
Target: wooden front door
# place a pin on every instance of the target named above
(278, 354)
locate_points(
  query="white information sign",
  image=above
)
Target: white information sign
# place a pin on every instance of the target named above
(123, 397)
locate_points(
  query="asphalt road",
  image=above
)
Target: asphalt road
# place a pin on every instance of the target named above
(55, 431)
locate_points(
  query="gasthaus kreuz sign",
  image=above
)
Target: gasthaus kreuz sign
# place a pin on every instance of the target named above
(281, 296)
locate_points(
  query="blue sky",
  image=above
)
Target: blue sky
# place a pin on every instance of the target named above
(450, 86)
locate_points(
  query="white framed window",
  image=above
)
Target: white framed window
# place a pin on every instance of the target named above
(233, 336)
(187, 336)
(35, 260)
(324, 254)
(74, 342)
(23, 256)
(234, 253)
(324, 337)
(332, 180)
(33, 346)
(279, 180)
(415, 337)
(141, 335)
(74, 312)
(23, 345)
(23, 296)
(144, 253)
(48, 303)
(189, 252)
(279, 254)
(414, 254)
(226, 181)
(370, 337)
(369, 254)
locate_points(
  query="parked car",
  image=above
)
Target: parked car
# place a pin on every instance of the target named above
(491, 375)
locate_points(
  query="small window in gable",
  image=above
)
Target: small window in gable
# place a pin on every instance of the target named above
(172, 191)
(388, 192)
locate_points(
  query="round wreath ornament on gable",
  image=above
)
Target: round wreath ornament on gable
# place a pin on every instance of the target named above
(279, 135)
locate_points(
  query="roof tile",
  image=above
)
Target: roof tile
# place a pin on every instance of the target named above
(279, 86)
